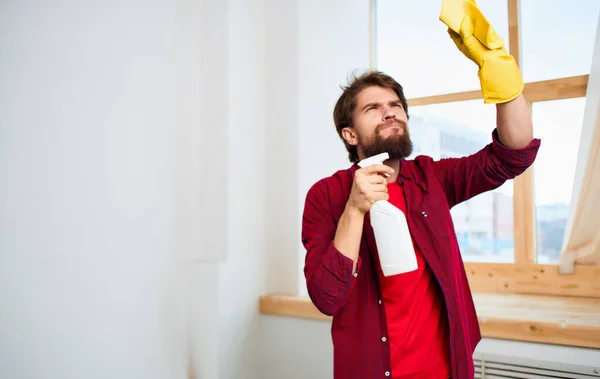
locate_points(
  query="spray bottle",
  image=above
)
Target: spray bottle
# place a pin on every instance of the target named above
(394, 243)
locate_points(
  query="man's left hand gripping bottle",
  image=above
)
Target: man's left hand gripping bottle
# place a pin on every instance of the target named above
(499, 74)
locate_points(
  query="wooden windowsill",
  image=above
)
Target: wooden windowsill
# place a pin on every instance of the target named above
(557, 320)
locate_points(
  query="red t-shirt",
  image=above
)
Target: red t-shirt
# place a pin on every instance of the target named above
(416, 317)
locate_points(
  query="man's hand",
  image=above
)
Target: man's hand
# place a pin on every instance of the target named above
(499, 74)
(369, 186)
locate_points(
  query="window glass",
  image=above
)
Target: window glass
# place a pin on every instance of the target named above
(557, 37)
(484, 224)
(558, 124)
(413, 46)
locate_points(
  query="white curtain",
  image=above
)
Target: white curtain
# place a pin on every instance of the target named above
(582, 235)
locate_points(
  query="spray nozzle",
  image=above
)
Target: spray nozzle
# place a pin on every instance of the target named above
(375, 159)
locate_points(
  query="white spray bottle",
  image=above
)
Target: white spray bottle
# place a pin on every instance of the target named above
(394, 243)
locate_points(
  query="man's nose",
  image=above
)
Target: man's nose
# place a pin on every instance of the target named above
(388, 112)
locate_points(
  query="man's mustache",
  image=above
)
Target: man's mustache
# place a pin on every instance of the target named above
(399, 123)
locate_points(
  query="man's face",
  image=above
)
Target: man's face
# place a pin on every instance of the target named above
(380, 124)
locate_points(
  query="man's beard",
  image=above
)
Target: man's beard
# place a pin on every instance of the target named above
(396, 145)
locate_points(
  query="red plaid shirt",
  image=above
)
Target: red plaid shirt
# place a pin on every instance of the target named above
(354, 299)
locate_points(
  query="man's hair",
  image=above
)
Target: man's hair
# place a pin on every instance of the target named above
(342, 113)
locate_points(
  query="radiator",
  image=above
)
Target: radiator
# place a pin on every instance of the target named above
(505, 367)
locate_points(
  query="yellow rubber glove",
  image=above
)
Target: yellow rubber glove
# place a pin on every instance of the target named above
(499, 75)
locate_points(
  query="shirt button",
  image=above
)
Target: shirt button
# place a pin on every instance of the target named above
(379, 302)
(383, 339)
(355, 274)
(387, 373)
(424, 214)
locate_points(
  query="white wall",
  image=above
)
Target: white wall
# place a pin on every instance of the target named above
(131, 178)
(313, 47)
(86, 102)
(296, 348)
(334, 44)
(281, 150)
(241, 275)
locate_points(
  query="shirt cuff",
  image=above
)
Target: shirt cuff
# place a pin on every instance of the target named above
(339, 264)
(517, 157)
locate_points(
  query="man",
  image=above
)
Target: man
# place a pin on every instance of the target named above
(420, 324)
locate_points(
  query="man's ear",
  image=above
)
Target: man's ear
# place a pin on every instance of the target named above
(350, 136)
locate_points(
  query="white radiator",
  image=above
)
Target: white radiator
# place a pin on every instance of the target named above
(504, 367)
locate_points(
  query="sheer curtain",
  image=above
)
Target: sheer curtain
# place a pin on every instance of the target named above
(582, 234)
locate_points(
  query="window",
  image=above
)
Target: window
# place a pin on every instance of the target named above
(557, 37)
(558, 123)
(483, 224)
(413, 46)
(523, 221)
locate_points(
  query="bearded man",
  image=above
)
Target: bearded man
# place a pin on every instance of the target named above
(420, 324)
